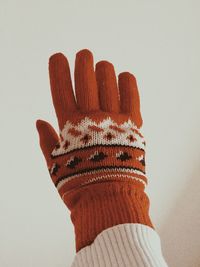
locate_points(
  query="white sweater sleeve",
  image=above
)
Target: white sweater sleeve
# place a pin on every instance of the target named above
(123, 245)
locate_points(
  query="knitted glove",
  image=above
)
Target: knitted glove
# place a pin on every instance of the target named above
(97, 163)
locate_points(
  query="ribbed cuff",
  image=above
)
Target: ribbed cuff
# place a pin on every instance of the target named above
(97, 207)
(124, 245)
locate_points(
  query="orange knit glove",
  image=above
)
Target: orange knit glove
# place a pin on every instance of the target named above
(98, 162)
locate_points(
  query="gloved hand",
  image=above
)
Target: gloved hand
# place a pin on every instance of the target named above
(97, 162)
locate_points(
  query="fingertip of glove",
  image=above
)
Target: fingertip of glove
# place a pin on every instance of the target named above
(57, 57)
(39, 123)
(126, 75)
(104, 64)
(85, 54)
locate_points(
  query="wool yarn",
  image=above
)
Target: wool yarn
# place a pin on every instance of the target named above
(97, 163)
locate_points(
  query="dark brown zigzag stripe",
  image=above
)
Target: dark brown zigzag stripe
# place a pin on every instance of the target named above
(95, 169)
(88, 147)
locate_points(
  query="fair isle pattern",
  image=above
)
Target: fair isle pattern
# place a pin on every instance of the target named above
(89, 152)
(123, 245)
(117, 174)
(88, 133)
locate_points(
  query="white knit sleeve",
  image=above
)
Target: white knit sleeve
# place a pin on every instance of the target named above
(123, 245)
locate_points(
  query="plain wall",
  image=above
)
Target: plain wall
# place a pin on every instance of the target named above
(159, 42)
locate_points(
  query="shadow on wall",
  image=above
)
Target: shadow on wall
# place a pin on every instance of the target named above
(181, 233)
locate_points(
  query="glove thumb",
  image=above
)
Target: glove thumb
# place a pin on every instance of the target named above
(48, 138)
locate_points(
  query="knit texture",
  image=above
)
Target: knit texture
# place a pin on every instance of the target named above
(97, 163)
(124, 245)
(98, 206)
(90, 147)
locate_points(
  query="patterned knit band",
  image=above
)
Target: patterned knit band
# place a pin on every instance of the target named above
(96, 151)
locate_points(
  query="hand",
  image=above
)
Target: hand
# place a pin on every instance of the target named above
(100, 139)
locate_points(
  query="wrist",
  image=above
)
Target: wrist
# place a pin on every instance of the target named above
(99, 206)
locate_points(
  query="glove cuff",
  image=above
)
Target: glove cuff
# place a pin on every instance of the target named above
(99, 206)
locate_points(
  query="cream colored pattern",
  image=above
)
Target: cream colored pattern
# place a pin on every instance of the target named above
(97, 138)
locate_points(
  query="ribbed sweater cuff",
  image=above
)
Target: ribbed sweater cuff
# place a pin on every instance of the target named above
(124, 245)
(97, 207)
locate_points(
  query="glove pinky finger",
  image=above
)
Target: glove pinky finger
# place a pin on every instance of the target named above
(48, 138)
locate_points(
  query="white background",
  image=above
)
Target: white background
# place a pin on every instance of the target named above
(159, 42)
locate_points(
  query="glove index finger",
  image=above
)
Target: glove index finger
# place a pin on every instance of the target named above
(48, 138)
(61, 87)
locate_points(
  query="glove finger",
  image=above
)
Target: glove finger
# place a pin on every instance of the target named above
(107, 86)
(129, 97)
(61, 87)
(85, 82)
(48, 138)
